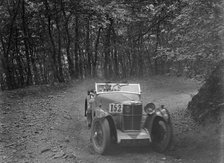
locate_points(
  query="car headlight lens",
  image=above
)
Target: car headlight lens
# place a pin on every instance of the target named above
(150, 108)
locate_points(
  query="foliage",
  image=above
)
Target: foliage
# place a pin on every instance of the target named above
(46, 41)
(198, 35)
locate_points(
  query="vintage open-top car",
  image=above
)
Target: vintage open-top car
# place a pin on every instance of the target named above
(115, 114)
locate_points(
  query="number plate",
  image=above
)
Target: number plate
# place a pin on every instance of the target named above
(115, 108)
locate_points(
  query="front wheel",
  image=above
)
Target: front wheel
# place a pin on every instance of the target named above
(100, 136)
(161, 134)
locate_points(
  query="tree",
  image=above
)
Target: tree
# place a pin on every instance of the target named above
(46, 41)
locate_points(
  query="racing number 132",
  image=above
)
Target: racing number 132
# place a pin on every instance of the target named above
(115, 108)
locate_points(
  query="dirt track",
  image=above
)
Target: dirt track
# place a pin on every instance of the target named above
(42, 124)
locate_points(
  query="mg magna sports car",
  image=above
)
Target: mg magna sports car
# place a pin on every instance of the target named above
(115, 114)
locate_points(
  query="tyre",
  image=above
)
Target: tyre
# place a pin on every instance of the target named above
(89, 119)
(161, 134)
(86, 105)
(100, 136)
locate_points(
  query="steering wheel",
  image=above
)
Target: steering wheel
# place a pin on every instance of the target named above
(116, 85)
(107, 87)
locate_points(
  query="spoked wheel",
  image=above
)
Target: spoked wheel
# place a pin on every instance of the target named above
(161, 134)
(100, 136)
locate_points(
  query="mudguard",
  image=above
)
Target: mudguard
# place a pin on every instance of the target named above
(159, 112)
(118, 135)
(100, 113)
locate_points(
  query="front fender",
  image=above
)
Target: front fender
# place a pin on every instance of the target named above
(100, 113)
(163, 113)
(160, 112)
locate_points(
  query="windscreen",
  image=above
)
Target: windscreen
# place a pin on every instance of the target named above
(117, 87)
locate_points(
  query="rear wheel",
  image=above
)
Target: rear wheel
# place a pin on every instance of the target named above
(100, 136)
(161, 134)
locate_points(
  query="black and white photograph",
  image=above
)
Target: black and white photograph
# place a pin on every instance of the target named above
(111, 81)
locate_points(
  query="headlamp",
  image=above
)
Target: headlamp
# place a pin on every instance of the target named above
(150, 108)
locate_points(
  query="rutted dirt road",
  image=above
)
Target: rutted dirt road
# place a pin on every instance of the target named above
(45, 124)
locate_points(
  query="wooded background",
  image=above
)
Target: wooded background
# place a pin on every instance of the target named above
(47, 41)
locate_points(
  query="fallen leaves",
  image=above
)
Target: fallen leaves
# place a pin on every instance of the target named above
(22, 121)
(55, 153)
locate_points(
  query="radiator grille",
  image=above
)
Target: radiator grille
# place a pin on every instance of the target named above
(132, 115)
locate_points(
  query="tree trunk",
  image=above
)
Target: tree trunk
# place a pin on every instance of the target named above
(68, 43)
(59, 59)
(140, 58)
(156, 50)
(77, 70)
(96, 51)
(7, 65)
(89, 55)
(19, 62)
(115, 58)
(34, 65)
(53, 60)
(26, 44)
(107, 49)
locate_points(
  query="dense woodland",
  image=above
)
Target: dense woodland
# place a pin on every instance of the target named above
(48, 41)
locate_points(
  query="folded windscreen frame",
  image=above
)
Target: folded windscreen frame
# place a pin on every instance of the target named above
(117, 87)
